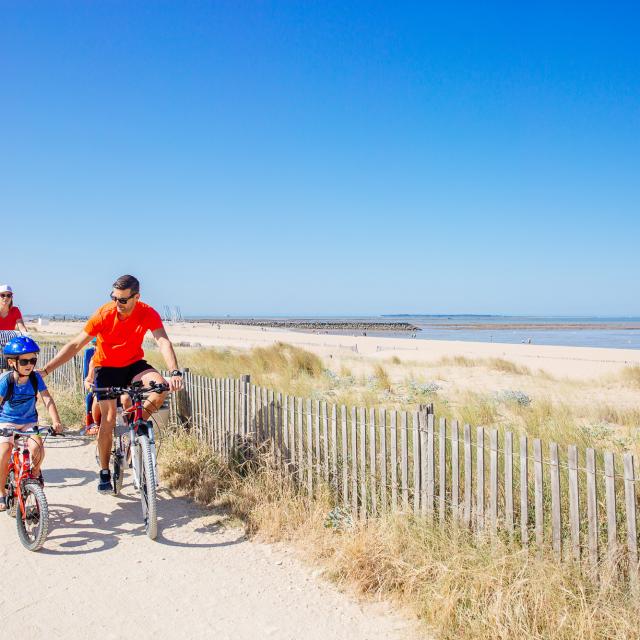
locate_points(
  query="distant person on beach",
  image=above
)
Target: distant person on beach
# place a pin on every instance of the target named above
(120, 327)
(10, 316)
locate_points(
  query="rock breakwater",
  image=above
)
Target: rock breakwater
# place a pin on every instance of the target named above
(317, 325)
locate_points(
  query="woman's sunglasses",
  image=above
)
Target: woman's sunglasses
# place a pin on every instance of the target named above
(23, 362)
(6, 295)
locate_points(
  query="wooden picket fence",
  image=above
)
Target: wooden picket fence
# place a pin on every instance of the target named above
(68, 376)
(578, 505)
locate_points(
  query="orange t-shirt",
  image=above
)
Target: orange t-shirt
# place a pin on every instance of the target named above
(119, 341)
(9, 323)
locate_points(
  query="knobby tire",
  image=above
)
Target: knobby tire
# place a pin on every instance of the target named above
(148, 488)
(34, 540)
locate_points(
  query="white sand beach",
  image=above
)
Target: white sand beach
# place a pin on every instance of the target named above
(562, 362)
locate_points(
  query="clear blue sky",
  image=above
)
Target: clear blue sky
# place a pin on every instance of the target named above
(322, 158)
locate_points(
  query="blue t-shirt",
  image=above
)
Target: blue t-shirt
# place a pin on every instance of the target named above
(21, 407)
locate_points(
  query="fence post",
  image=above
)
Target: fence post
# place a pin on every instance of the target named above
(455, 473)
(538, 485)
(383, 459)
(468, 477)
(415, 441)
(430, 466)
(493, 480)
(372, 461)
(183, 401)
(245, 381)
(574, 502)
(345, 456)
(556, 511)
(630, 508)
(404, 461)
(442, 470)
(393, 435)
(592, 507)
(610, 496)
(508, 482)
(524, 491)
(480, 478)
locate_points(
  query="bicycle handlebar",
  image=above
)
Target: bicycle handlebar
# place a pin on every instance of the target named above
(135, 389)
(7, 432)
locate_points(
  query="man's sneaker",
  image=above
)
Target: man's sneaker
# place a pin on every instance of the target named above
(105, 486)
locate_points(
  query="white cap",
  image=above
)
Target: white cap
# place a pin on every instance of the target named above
(5, 288)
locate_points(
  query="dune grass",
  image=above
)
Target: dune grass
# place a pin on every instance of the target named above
(631, 375)
(496, 364)
(294, 371)
(283, 366)
(382, 378)
(459, 585)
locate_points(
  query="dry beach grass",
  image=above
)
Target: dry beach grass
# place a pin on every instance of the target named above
(459, 585)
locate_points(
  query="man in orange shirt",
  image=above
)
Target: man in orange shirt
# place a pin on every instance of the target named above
(120, 327)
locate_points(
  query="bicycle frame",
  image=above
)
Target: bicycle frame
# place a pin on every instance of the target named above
(140, 426)
(20, 464)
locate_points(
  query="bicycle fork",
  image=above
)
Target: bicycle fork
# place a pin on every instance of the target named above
(136, 456)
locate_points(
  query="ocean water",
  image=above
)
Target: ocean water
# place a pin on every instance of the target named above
(612, 332)
(619, 333)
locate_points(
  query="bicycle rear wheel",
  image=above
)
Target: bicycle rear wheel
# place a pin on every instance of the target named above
(117, 465)
(117, 472)
(33, 526)
(148, 488)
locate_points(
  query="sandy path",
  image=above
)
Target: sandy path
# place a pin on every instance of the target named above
(98, 573)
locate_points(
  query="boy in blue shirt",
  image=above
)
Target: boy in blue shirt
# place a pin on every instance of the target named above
(19, 391)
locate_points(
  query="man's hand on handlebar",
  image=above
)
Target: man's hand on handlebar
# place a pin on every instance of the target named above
(175, 383)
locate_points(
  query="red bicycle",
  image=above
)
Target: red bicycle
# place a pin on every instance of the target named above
(25, 492)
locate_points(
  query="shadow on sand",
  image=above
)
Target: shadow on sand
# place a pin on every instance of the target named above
(76, 530)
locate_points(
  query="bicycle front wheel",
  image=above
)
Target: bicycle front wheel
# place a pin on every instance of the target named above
(148, 488)
(33, 524)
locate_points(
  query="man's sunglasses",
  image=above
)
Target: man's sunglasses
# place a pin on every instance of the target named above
(23, 362)
(122, 300)
(6, 295)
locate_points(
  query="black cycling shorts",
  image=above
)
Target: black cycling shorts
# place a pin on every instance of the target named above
(119, 376)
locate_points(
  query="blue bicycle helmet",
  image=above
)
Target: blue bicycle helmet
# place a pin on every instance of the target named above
(19, 346)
